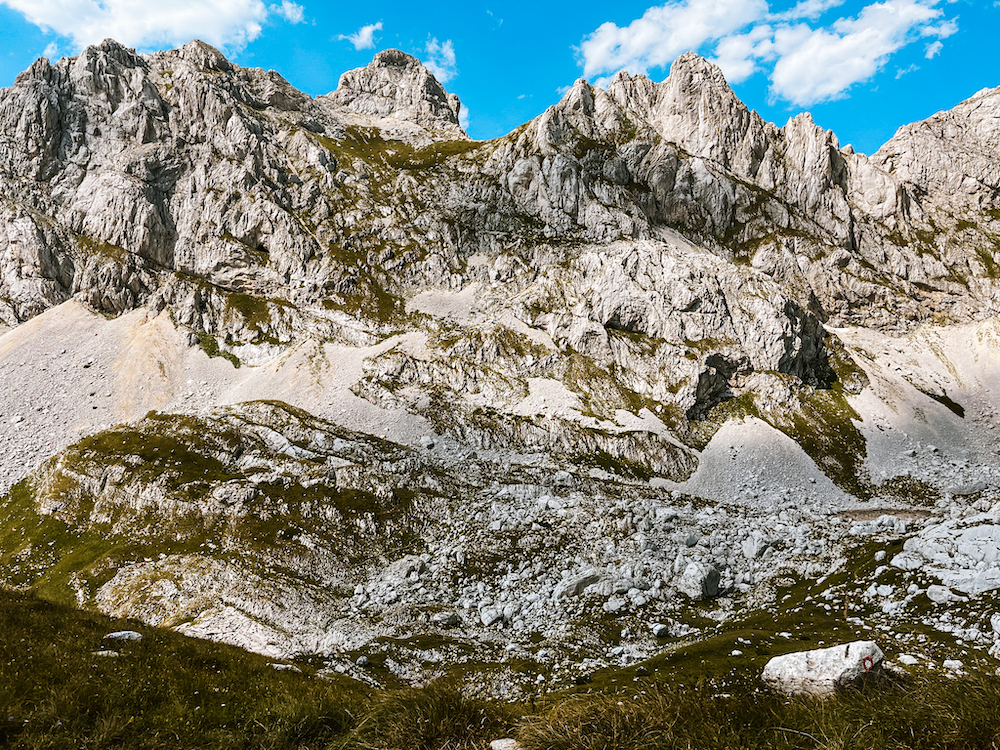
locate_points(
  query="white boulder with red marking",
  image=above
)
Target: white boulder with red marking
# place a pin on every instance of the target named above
(823, 671)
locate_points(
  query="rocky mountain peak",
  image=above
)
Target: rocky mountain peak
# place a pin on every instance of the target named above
(38, 70)
(697, 109)
(950, 154)
(398, 86)
(692, 67)
(204, 56)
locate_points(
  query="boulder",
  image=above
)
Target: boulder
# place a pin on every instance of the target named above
(941, 594)
(575, 585)
(823, 671)
(699, 581)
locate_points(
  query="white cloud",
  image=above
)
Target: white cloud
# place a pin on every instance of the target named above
(738, 55)
(441, 59)
(815, 65)
(140, 23)
(51, 50)
(291, 12)
(805, 62)
(941, 30)
(912, 68)
(363, 38)
(933, 49)
(806, 10)
(464, 118)
(663, 33)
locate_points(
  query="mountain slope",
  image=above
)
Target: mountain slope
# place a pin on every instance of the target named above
(481, 391)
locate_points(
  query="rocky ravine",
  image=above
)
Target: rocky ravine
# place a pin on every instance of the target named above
(325, 376)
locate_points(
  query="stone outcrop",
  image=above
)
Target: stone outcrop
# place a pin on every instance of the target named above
(964, 554)
(822, 672)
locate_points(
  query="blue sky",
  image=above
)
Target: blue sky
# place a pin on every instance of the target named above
(862, 68)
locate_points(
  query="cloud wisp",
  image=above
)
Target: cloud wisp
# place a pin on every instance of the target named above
(440, 59)
(229, 24)
(363, 38)
(664, 32)
(806, 62)
(290, 11)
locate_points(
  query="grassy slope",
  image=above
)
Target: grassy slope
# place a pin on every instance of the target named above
(168, 691)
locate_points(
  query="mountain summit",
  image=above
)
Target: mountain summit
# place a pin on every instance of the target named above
(397, 85)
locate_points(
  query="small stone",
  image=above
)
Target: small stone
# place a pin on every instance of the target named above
(445, 619)
(940, 594)
(613, 604)
(124, 635)
(490, 616)
(562, 479)
(575, 585)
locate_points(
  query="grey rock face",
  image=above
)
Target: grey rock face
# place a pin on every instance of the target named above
(947, 155)
(396, 85)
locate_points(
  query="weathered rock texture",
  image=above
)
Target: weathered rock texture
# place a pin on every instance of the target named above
(560, 333)
(824, 671)
(397, 86)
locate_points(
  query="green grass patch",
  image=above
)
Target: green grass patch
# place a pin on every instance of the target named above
(143, 491)
(91, 246)
(210, 345)
(925, 713)
(165, 691)
(599, 459)
(601, 391)
(822, 423)
(911, 490)
(990, 265)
